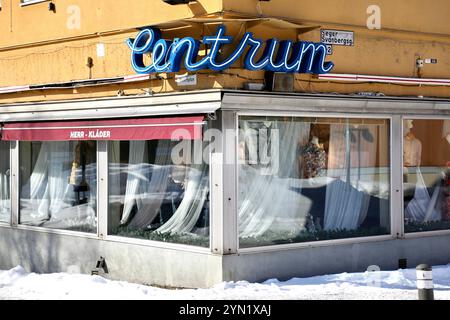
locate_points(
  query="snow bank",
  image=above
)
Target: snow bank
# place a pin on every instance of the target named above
(384, 285)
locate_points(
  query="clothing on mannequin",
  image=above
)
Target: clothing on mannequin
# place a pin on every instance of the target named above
(314, 159)
(412, 147)
(83, 152)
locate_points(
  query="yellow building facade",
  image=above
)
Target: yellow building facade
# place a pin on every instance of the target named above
(263, 167)
(39, 46)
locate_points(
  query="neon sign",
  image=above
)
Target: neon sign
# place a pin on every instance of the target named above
(275, 55)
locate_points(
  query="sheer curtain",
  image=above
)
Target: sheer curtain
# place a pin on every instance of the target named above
(47, 198)
(148, 189)
(269, 196)
(4, 182)
(423, 207)
(351, 164)
(152, 188)
(48, 184)
(188, 212)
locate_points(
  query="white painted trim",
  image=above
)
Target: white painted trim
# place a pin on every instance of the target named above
(312, 114)
(217, 227)
(93, 236)
(14, 89)
(306, 245)
(396, 159)
(76, 83)
(384, 79)
(109, 126)
(15, 182)
(24, 4)
(437, 233)
(158, 244)
(427, 117)
(324, 104)
(229, 121)
(161, 105)
(57, 231)
(8, 223)
(102, 188)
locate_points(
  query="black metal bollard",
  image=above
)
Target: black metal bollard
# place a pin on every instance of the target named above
(425, 282)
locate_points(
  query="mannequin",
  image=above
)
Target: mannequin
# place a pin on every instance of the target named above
(412, 147)
(83, 155)
(314, 159)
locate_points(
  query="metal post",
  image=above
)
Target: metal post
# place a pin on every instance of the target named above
(425, 282)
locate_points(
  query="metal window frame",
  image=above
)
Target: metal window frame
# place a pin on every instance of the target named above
(15, 205)
(9, 222)
(415, 235)
(103, 196)
(393, 219)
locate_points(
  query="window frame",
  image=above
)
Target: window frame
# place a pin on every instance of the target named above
(103, 225)
(394, 219)
(9, 223)
(16, 203)
(415, 235)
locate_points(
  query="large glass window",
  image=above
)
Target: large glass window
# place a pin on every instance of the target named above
(59, 185)
(310, 179)
(159, 190)
(5, 203)
(426, 168)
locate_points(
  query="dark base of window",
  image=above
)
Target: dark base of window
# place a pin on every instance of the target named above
(414, 226)
(271, 238)
(185, 238)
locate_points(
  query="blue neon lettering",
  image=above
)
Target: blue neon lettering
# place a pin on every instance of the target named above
(278, 56)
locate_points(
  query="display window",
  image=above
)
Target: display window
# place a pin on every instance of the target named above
(58, 185)
(426, 174)
(312, 179)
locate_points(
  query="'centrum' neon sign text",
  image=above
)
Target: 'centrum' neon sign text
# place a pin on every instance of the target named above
(274, 55)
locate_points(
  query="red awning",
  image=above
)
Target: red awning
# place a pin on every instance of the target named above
(120, 129)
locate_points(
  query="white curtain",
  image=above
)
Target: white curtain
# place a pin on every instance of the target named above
(152, 187)
(147, 188)
(352, 159)
(135, 178)
(4, 182)
(47, 199)
(269, 197)
(423, 208)
(188, 212)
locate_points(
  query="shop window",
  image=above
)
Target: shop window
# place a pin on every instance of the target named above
(426, 178)
(58, 185)
(5, 203)
(155, 194)
(312, 179)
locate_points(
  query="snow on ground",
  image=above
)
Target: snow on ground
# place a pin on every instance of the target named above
(384, 285)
